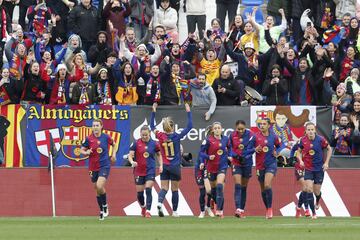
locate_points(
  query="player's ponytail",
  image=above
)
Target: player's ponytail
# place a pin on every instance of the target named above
(168, 125)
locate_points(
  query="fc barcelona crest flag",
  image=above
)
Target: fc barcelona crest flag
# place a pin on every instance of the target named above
(67, 128)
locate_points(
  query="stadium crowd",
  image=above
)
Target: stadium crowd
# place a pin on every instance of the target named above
(128, 52)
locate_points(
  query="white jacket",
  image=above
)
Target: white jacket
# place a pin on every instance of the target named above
(167, 17)
(196, 7)
(344, 6)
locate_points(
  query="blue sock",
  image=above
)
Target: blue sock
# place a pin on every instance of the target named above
(213, 194)
(243, 197)
(162, 194)
(269, 193)
(263, 196)
(310, 198)
(202, 199)
(208, 199)
(301, 199)
(220, 196)
(237, 195)
(140, 198)
(175, 200)
(148, 198)
(98, 198)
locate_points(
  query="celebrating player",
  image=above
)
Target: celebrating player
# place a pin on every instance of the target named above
(311, 157)
(142, 158)
(265, 144)
(203, 182)
(96, 147)
(170, 151)
(215, 152)
(241, 164)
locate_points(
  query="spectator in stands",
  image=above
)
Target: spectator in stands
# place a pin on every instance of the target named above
(142, 13)
(343, 7)
(59, 86)
(341, 102)
(84, 20)
(211, 63)
(353, 82)
(23, 7)
(150, 91)
(126, 91)
(236, 30)
(16, 60)
(99, 52)
(167, 17)
(114, 14)
(275, 87)
(9, 88)
(226, 7)
(226, 88)
(5, 27)
(103, 93)
(74, 47)
(83, 92)
(354, 123)
(196, 16)
(341, 137)
(251, 35)
(273, 7)
(324, 15)
(203, 95)
(39, 16)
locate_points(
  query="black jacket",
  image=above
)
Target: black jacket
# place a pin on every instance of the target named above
(84, 22)
(232, 93)
(275, 94)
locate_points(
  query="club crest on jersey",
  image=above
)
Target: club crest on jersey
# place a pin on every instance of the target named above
(99, 150)
(241, 146)
(146, 154)
(312, 152)
(265, 149)
(220, 152)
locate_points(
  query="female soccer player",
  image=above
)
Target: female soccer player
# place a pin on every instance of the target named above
(170, 151)
(142, 157)
(203, 182)
(241, 164)
(265, 144)
(96, 147)
(215, 151)
(311, 157)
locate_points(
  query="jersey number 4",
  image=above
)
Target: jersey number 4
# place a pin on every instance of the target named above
(169, 149)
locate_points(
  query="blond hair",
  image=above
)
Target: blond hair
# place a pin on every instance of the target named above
(168, 124)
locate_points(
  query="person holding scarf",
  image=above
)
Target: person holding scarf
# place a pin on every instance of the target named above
(60, 86)
(8, 88)
(103, 90)
(83, 92)
(126, 94)
(5, 28)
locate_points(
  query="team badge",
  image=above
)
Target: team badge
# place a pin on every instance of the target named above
(312, 152)
(99, 150)
(145, 154)
(265, 149)
(220, 152)
(241, 146)
(77, 152)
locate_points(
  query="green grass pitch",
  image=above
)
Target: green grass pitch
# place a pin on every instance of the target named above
(179, 228)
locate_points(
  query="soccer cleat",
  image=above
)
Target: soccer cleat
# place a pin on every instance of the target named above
(314, 216)
(238, 213)
(101, 216)
(175, 214)
(160, 210)
(143, 211)
(209, 212)
(147, 214)
(202, 214)
(307, 213)
(269, 213)
(298, 212)
(242, 214)
(105, 210)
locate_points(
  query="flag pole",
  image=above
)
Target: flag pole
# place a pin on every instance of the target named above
(52, 184)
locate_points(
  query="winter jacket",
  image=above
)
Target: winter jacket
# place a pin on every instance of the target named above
(76, 93)
(34, 85)
(232, 93)
(195, 7)
(168, 18)
(117, 18)
(137, 10)
(84, 22)
(275, 93)
(203, 96)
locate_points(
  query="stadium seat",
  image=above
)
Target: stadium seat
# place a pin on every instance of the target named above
(259, 17)
(252, 2)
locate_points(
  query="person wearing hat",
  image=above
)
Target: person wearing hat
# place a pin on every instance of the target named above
(9, 88)
(352, 82)
(341, 102)
(275, 87)
(59, 86)
(98, 52)
(103, 90)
